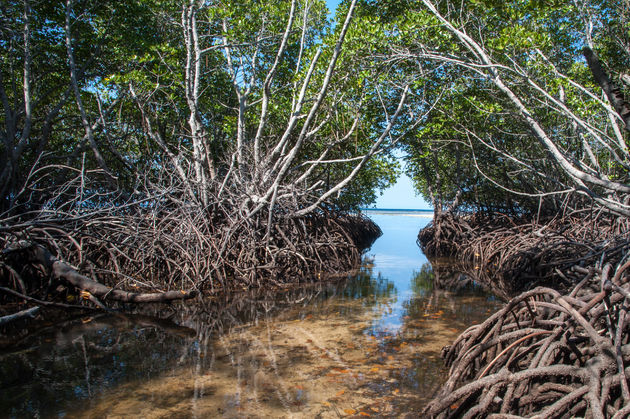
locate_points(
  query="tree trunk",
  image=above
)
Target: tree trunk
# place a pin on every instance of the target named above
(613, 93)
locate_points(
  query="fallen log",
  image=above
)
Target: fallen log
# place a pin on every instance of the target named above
(20, 315)
(59, 270)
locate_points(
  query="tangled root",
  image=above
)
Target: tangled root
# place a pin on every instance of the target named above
(545, 355)
(512, 255)
(150, 255)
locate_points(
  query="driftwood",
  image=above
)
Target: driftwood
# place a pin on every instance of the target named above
(30, 253)
(545, 355)
(20, 315)
(59, 272)
(62, 271)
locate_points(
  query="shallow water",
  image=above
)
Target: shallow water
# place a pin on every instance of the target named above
(366, 347)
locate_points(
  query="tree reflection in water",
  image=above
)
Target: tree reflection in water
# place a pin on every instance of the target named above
(308, 351)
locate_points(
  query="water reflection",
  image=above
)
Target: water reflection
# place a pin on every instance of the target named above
(82, 358)
(366, 346)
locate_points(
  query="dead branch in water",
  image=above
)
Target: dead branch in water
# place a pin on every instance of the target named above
(24, 314)
(546, 354)
(59, 270)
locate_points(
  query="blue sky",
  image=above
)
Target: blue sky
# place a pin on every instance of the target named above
(332, 5)
(402, 194)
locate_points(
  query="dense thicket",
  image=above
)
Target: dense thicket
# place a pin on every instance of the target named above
(165, 145)
(532, 123)
(132, 89)
(189, 144)
(531, 135)
(531, 116)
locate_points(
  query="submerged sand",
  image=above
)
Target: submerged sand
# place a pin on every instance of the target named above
(301, 364)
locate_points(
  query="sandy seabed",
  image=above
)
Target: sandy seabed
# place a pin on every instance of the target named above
(314, 366)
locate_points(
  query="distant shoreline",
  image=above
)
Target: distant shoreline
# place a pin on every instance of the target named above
(424, 213)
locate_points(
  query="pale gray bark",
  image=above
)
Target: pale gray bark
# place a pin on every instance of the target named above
(267, 84)
(193, 80)
(585, 180)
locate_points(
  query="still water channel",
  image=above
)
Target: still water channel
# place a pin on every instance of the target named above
(366, 347)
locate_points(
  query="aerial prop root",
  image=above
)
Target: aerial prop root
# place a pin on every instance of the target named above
(545, 354)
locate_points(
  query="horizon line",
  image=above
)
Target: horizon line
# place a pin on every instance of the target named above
(397, 209)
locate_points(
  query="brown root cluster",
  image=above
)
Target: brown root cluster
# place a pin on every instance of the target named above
(546, 354)
(143, 254)
(97, 250)
(516, 254)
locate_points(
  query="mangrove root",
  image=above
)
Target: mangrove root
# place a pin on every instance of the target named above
(545, 355)
(517, 254)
